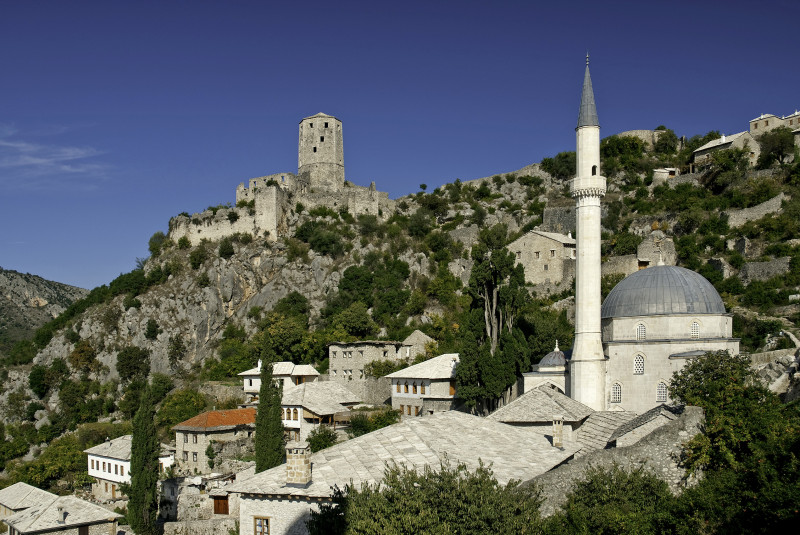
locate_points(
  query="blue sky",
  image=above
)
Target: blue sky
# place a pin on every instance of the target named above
(115, 116)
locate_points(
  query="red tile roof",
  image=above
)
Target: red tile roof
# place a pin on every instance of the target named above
(214, 419)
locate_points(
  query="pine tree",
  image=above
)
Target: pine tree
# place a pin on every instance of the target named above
(143, 495)
(269, 426)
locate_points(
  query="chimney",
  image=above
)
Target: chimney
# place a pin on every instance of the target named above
(558, 431)
(298, 464)
(62, 515)
(723, 138)
(259, 365)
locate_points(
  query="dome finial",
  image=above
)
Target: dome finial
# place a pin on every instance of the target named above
(556, 349)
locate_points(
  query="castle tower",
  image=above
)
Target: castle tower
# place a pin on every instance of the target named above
(588, 366)
(320, 158)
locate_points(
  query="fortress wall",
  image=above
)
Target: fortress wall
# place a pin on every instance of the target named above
(737, 218)
(625, 265)
(762, 271)
(212, 227)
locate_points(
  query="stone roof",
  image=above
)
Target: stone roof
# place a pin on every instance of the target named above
(284, 368)
(322, 397)
(539, 405)
(512, 452)
(662, 290)
(561, 238)
(417, 337)
(368, 343)
(596, 431)
(724, 140)
(119, 448)
(218, 420)
(587, 116)
(661, 410)
(21, 496)
(46, 517)
(440, 367)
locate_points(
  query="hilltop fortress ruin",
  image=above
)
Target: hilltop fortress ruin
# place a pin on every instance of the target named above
(265, 204)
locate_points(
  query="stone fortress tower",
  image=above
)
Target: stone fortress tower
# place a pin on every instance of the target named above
(320, 155)
(587, 367)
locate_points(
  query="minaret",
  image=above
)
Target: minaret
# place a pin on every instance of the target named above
(587, 366)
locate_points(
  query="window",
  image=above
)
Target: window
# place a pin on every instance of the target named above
(220, 505)
(116, 470)
(661, 392)
(405, 388)
(536, 255)
(402, 409)
(314, 149)
(83, 530)
(552, 253)
(326, 125)
(91, 464)
(416, 411)
(452, 388)
(194, 456)
(755, 126)
(422, 388)
(185, 438)
(638, 365)
(616, 393)
(414, 388)
(194, 439)
(695, 333)
(261, 526)
(546, 267)
(311, 125)
(104, 466)
(185, 455)
(641, 332)
(409, 410)
(398, 388)
(122, 470)
(594, 170)
(106, 487)
(322, 139)
(294, 414)
(249, 382)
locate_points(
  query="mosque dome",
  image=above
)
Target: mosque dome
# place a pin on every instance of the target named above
(554, 358)
(662, 290)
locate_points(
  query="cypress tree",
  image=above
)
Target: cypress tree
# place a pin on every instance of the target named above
(143, 495)
(269, 441)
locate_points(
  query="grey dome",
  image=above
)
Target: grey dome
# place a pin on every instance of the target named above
(662, 290)
(554, 358)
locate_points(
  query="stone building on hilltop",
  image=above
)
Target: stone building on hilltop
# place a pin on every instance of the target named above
(548, 257)
(193, 436)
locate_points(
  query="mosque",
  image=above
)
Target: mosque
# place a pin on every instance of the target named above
(627, 347)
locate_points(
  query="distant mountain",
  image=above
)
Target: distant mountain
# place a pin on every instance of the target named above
(27, 302)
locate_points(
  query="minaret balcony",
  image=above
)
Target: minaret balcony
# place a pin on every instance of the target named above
(588, 186)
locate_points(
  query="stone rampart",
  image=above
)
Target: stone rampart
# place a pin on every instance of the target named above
(759, 359)
(761, 271)
(625, 265)
(737, 218)
(658, 452)
(213, 526)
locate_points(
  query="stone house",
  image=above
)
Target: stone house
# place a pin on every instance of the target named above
(307, 406)
(288, 373)
(766, 122)
(548, 257)
(109, 464)
(742, 140)
(425, 388)
(656, 249)
(19, 496)
(639, 427)
(63, 514)
(278, 501)
(348, 360)
(193, 436)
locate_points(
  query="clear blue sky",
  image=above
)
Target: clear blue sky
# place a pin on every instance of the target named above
(115, 116)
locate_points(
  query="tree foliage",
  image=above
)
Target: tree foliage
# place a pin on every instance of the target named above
(322, 437)
(143, 497)
(269, 441)
(133, 363)
(449, 500)
(776, 145)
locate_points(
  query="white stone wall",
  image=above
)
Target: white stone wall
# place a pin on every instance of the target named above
(668, 327)
(543, 258)
(402, 400)
(287, 515)
(320, 154)
(109, 469)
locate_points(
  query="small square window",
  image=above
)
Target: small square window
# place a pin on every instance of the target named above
(552, 253)
(321, 139)
(194, 456)
(546, 267)
(326, 125)
(311, 125)
(314, 149)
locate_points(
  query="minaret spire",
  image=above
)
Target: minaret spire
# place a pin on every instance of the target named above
(587, 115)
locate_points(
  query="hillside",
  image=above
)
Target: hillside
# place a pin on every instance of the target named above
(27, 302)
(193, 314)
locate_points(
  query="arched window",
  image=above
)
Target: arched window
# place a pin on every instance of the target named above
(405, 388)
(294, 414)
(616, 393)
(641, 332)
(414, 388)
(422, 388)
(695, 331)
(283, 413)
(594, 170)
(638, 365)
(398, 387)
(661, 392)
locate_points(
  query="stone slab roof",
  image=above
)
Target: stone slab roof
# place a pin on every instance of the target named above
(46, 517)
(21, 496)
(596, 431)
(724, 140)
(322, 398)
(417, 337)
(440, 367)
(218, 420)
(566, 240)
(368, 343)
(539, 405)
(284, 368)
(119, 448)
(662, 410)
(512, 452)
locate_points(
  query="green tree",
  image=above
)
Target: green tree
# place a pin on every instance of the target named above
(179, 406)
(562, 166)
(156, 243)
(322, 437)
(269, 442)
(776, 145)
(667, 142)
(226, 248)
(613, 500)
(151, 329)
(449, 500)
(132, 363)
(143, 497)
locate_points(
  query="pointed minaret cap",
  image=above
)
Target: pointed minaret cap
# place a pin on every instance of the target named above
(588, 112)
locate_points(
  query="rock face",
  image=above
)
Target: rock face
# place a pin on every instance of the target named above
(27, 302)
